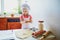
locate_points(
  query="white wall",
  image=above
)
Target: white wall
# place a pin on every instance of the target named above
(47, 10)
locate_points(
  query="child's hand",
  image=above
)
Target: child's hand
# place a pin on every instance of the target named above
(27, 21)
(22, 22)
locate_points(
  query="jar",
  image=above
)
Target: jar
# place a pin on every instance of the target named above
(41, 28)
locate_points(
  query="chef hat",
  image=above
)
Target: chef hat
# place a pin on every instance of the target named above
(26, 6)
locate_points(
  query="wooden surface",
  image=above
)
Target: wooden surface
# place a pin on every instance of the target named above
(5, 24)
(14, 25)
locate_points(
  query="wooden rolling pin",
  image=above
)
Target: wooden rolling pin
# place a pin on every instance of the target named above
(45, 35)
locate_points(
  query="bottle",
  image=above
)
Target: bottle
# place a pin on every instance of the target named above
(41, 28)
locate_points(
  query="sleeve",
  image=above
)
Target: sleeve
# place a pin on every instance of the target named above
(30, 17)
(21, 18)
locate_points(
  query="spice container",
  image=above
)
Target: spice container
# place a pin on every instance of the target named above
(41, 28)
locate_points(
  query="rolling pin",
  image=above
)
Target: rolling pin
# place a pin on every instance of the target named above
(45, 35)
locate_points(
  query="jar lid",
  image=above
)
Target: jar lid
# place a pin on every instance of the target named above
(40, 21)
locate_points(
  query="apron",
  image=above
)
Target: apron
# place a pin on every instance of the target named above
(26, 25)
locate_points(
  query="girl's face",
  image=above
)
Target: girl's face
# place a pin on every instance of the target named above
(25, 11)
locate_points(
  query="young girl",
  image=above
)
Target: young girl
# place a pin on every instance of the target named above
(25, 18)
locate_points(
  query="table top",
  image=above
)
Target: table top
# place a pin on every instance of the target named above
(10, 34)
